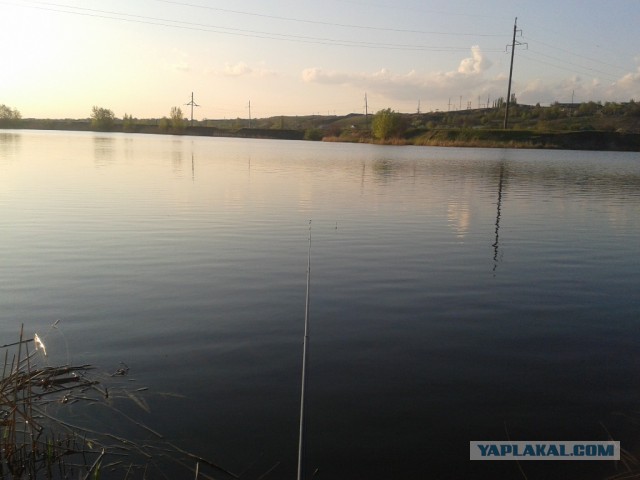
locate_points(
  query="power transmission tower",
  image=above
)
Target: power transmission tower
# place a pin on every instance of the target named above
(418, 112)
(513, 50)
(193, 104)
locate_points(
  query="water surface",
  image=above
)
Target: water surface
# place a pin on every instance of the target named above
(456, 294)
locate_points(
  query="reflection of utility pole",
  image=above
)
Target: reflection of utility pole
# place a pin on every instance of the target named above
(513, 49)
(498, 214)
(193, 104)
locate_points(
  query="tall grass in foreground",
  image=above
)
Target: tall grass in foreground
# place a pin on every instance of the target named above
(37, 440)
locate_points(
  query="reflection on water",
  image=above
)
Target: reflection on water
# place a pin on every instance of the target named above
(9, 145)
(417, 346)
(459, 216)
(103, 151)
(496, 244)
(176, 161)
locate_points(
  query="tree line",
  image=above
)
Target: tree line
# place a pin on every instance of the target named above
(103, 119)
(385, 126)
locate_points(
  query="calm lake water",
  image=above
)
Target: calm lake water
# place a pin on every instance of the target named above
(456, 294)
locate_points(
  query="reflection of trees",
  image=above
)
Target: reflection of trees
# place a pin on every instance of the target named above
(176, 161)
(103, 150)
(383, 168)
(9, 144)
(548, 178)
(386, 170)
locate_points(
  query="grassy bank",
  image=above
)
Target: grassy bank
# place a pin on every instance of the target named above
(50, 427)
(593, 140)
(588, 126)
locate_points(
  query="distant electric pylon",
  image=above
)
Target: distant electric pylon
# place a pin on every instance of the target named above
(193, 104)
(513, 49)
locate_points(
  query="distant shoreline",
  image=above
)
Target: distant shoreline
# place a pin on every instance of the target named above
(443, 137)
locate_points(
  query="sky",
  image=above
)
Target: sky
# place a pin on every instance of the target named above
(263, 58)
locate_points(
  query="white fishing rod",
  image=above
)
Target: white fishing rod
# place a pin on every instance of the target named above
(305, 346)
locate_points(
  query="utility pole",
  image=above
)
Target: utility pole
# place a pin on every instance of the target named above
(366, 111)
(513, 50)
(249, 113)
(418, 112)
(449, 104)
(366, 106)
(193, 104)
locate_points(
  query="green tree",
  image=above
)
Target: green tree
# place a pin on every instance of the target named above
(128, 123)
(588, 109)
(177, 119)
(102, 118)
(632, 109)
(163, 124)
(314, 134)
(9, 117)
(386, 124)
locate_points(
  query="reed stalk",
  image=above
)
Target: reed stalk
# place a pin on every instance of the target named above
(36, 443)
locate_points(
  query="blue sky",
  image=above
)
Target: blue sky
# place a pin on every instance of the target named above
(304, 57)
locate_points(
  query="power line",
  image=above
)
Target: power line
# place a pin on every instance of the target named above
(606, 75)
(555, 47)
(88, 12)
(396, 7)
(332, 24)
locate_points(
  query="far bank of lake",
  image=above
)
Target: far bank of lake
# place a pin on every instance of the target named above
(440, 137)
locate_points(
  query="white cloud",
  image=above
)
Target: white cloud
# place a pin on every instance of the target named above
(237, 70)
(241, 69)
(472, 79)
(469, 78)
(317, 75)
(630, 80)
(578, 88)
(181, 67)
(476, 64)
(181, 63)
